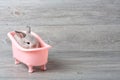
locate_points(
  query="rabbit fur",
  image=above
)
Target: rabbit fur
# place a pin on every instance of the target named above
(26, 40)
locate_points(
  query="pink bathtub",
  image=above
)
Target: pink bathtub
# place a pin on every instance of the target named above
(30, 57)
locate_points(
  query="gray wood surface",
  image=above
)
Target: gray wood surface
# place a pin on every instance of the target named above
(85, 35)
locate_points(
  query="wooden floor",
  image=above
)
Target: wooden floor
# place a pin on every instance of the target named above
(68, 65)
(85, 35)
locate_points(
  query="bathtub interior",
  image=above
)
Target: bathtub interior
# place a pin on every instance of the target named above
(42, 43)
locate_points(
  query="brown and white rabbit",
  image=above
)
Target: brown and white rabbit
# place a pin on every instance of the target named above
(26, 40)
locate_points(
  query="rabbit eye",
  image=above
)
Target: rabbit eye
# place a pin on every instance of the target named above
(28, 42)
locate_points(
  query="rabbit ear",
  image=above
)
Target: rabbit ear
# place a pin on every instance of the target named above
(29, 29)
(20, 34)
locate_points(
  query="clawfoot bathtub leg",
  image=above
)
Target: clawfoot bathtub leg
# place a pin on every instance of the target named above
(30, 68)
(43, 67)
(16, 61)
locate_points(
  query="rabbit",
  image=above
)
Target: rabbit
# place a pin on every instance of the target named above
(26, 40)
